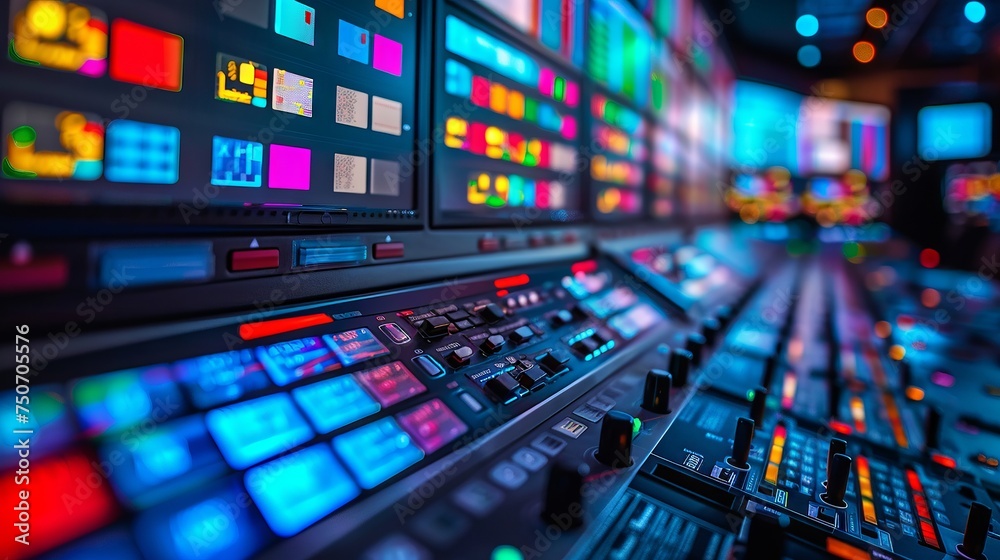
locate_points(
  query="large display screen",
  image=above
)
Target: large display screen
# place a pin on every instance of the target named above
(959, 131)
(618, 161)
(508, 142)
(556, 24)
(245, 103)
(765, 127)
(837, 136)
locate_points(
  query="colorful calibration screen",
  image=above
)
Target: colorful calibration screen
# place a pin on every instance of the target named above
(508, 119)
(250, 102)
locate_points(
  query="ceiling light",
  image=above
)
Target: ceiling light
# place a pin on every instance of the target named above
(975, 11)
(877, 18)
(807, 25)
(809, 56)
(864, 51)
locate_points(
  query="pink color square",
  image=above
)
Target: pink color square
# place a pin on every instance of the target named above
(572, 93)
(289, 167)
(388, 56)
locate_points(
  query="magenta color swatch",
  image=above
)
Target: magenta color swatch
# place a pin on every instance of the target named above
(388, 56)
(288, 167)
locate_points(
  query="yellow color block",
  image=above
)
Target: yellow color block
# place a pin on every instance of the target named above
(246, 73)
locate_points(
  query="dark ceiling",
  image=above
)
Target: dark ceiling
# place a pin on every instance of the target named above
(920, 33)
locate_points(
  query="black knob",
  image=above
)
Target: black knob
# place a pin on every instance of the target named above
(493, 343)
(460, 356)
(833, 399)
(492, 313)
(766, 537)
(563, 494)
(770, 367)
(710, 330)
(758, 404)
(434, 327)
(680, 366)
(932, 428)
(615, 444)
(741, 444)
(836, 483)
(656, 394)
(905, 374)
(976, 528)
(837, 447)
(695, 343)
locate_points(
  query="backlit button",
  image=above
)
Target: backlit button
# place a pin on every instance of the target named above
(503, 387)
(492, 313)
(388, 250)
(470, 402)
(561, 317)
(549, 444)
(586, 346)
(509, 475)
(489, 244)
(428, 365)
(553, 362)
(478, 498)
(395, 333)
(253, 259)
(434, 327)
(529, 459)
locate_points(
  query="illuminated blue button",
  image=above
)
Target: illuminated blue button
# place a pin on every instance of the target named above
(334, 403)
(47, 417)
(252, 431)
(377, 452)
(296, 491)
(458, 78)
(290, 361)
(482, 48)
(221, 378)
(203, 525)
(113, 544)
(114, 401)
(170, 459)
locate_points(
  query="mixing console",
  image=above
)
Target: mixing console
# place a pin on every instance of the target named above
(582, 410)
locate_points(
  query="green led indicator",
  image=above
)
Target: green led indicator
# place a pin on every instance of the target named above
(636, 426)
(750, 395)
(559, 91)
(506, 552)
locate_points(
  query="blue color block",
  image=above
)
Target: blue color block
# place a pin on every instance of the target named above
(138, 152)
(483, 48)
(112, 544)
(252, 431)
(146, 265)
(334, 403)
(112, 402)
(206, 524)
(377, 452)
(172, 458)
(457, 79)
(220, 378)
(295, 20)
(295, 491)
(237, 163)
(353, 42)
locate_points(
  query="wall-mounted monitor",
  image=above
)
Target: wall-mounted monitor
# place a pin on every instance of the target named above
(507, 121)
(620, 50)
(961, 131)
(197, 104)
(765, 126)
(837, 136)
(556, 24)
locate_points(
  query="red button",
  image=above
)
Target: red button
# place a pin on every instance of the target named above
(489, 244)
(253, 259)
(45, 273)
(388, 250)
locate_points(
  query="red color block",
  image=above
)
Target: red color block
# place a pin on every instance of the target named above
(145, 56)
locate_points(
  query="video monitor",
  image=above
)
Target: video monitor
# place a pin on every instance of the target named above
(765, 127)
(971, 191)
(838, 136)
(961, 131)
(506, 121)
(556, 24)
(666, 173)
(193, 103)
(620, 50)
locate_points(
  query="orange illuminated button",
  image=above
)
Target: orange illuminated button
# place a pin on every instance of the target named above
(253, 259)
